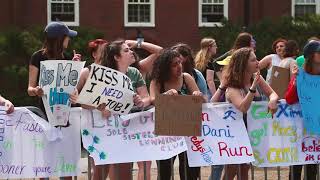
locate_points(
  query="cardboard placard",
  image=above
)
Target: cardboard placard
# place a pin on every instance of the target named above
(178, 115)
(280, 78)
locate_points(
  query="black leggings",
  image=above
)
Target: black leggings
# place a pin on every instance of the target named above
(311, 172)
(165, 168)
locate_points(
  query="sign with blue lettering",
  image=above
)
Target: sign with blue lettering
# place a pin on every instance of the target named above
(308, 87)
(58, 79)
(108, 86)
(280, 140)
(224, 139)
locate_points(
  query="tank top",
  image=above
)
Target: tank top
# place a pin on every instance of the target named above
(275, 61)
(182, 91)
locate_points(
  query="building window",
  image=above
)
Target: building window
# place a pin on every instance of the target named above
(211, 12)
(139, 13)
(66, 11)
(304, 7)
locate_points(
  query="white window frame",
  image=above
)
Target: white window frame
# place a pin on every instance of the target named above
(212, 24)
(139, 24)
(76, 12)
(293, 3)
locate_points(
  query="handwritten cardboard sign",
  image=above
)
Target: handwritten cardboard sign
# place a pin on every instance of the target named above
(118, 140)
(106, 85)
(58, 79)
(28, 148)
(178, 115)
(279, 81)
(308, 87)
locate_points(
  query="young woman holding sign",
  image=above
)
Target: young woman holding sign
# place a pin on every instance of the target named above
(243, 88)
(95, 48)
(168, 78)
(273, 59)
(311, 52)
(57, 37)
(118, 56)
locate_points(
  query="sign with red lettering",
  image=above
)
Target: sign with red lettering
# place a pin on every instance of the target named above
(224, 139)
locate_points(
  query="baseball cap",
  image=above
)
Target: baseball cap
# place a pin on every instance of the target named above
(58, 29)
(310, 48)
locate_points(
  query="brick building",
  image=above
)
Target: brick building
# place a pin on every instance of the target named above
(161, 21)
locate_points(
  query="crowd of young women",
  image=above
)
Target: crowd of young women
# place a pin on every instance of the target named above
(174, 71)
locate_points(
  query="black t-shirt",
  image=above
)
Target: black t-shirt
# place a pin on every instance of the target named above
(210, 67)
(39, 56)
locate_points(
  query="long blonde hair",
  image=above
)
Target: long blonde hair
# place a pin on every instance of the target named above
(203, 56)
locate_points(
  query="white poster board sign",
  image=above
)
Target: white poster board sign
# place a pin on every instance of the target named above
(31, 148)
(129, 138)
(281, 140)
(224, 138)
(106, 85)
(58, 79)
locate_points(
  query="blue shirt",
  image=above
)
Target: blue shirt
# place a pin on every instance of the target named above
(201, 82)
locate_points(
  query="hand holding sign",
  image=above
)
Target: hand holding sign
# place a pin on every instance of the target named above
(138, 101)
(74, 96)
(295, 70)
(9, 106)
(272, 107)
(38, 91)
(197, 93)
(171, 92)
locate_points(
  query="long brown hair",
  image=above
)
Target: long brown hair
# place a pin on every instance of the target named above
(161, 72)
(236, 70)
(53, 47)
